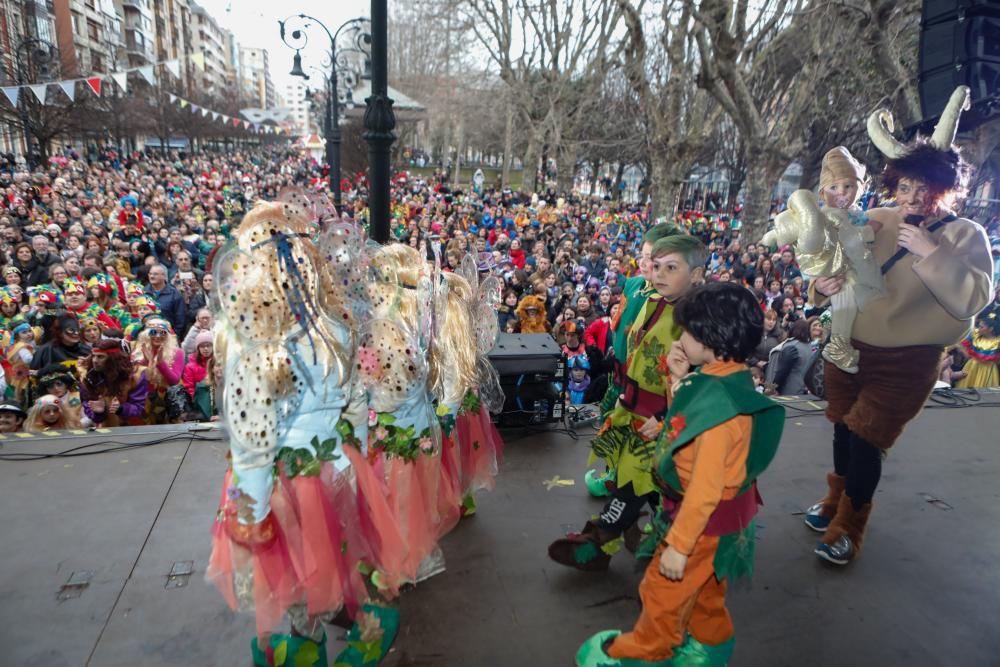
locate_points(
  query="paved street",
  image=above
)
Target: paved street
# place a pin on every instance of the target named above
(923, 593)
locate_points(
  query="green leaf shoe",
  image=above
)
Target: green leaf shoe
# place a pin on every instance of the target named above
(369, 640)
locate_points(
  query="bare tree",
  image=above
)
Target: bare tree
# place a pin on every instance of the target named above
(553, 55)
(679, 116)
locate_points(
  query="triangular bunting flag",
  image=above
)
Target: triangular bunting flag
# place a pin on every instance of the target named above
(121, 78)
(95, 84)
(215, 115)
(173, 98)
(236, 122)
(174, 67)
(205, 112)
(148, 74)
(199, 60)
(39, 90)
(184, 103)
(225, 119)
(69, 87)
(12, 93)
(195, 108)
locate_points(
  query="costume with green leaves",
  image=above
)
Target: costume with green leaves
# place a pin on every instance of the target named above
(703, 402)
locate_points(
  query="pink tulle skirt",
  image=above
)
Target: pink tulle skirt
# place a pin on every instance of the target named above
(450, 484)
(480, 450)
(311, 559)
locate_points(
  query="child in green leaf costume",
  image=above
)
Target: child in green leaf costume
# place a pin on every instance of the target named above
(636, 291)
(627, 439)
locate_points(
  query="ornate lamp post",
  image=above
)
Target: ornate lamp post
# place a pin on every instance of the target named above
(380, 121)
(297, 39)
(34, 59)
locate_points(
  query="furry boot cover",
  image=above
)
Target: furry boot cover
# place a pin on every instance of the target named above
(850, 523)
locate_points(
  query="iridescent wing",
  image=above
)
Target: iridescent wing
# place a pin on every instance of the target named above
(389, 364)
(248, 298)
(484, 313)
(345, 270)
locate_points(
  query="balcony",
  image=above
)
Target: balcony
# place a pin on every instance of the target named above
(141, 5)
(136, 44)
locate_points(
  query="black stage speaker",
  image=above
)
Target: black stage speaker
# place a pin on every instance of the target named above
(533, 378)
(960, 45)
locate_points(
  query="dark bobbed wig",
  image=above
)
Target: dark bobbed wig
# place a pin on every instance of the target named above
(723, 317)
(942, 171)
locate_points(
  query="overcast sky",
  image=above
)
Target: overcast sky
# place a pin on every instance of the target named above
(255, 23)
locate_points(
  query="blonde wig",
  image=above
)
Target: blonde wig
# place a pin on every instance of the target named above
(453, 355)
(144, 346)
(34, 424)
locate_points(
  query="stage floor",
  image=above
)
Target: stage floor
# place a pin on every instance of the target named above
(89, 544)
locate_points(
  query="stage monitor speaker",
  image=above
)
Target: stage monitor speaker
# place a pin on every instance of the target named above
(533, 378)
(960, 45)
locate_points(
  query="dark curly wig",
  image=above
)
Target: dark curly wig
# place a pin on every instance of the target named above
(723, 317)
(942, 171)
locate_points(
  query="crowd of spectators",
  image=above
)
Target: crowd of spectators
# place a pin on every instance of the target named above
(105, 314)
(105, 308)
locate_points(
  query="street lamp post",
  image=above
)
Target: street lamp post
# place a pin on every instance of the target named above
(44, 55)
(331, 120)
(380, 121)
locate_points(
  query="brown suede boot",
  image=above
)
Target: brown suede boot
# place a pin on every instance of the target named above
(584, 550)
(819, 516)
(843, 539)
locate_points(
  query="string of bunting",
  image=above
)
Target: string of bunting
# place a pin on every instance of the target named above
(227, 120)
(95, 82)
(120, 79)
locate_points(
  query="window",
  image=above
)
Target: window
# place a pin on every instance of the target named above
(96, 62)
(94, 31)
(76, 23)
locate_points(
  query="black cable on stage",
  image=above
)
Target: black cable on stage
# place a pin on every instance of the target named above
(110, 446)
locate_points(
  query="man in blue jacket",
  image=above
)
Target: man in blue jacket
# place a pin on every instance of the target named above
(170, 301)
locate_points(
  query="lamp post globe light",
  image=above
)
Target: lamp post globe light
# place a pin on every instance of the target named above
(36, 61)
(297, 38)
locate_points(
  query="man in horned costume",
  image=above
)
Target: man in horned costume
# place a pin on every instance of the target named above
(938, 276)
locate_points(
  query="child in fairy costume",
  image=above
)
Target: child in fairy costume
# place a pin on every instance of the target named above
(288, 536)
(626, 440)
(721, 436)
(983, 349)
(404, 442)
(635, 292)
(464, 383)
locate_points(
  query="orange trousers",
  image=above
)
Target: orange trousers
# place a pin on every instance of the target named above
(695, 604)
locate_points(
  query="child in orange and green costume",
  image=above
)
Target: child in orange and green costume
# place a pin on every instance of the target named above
(720, 436)
(627, 440)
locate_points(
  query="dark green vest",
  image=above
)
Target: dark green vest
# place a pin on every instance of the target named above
(702, 402)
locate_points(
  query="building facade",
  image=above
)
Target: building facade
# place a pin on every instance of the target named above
(22, 20)
(139, 30)
(256, 87)
(90, 34)
(298, 104)
(172, 23)
(209, 38)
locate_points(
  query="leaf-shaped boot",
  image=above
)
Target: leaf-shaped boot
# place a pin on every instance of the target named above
(368, 642)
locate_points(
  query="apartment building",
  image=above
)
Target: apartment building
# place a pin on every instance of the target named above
(209, 38)
(90, 35)
(256, 87)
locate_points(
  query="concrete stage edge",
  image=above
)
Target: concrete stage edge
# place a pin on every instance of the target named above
(925, 592)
